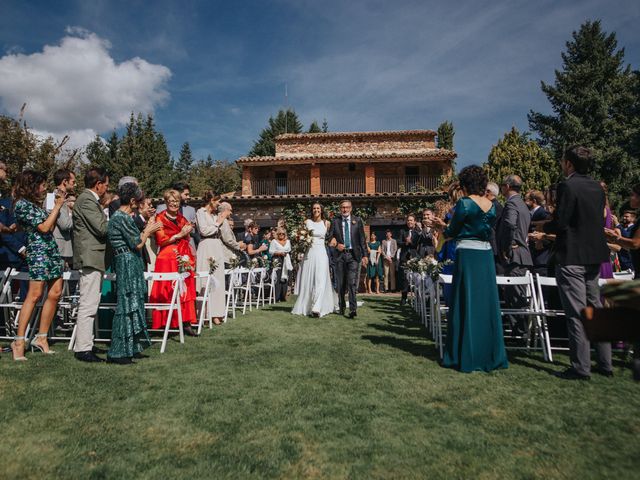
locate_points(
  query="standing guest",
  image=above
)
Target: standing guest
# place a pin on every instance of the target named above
(247, 235)
(255, 248)
(65, 181)
(512, 238)
(280, 248)
(89, 251)
(43, 258)
(114, 204)
(230, 245)
(627, 226)
(474, 335)
(540, 249)
(426, 245)
(606, 268)
(173, 241)
(374, 269)
(580, 248)
(389, 249)
(493, 190)
(446, 249)
(186, 210)
(409, 241)
(13, 242)
(129, 336)
(210, 247)
(141, 216)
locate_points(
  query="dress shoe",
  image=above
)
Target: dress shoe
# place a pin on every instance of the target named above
(120, 361)
(315, 314)
(403, 302)
(353, 314)
(341, 312)
(140, 355)
(603, 372)
(88, 357)
(97, 350)
(188, 331)
(571, 374)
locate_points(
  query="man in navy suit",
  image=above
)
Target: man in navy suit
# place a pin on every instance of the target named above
(540, 249)
(346, 233)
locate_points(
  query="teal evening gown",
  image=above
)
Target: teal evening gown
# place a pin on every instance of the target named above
(474, 334)
(129, 334)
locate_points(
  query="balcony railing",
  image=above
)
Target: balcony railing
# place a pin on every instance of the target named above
(281, 186)
(353, 184)
(407, 183)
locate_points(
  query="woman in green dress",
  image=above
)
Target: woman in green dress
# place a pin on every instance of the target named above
(474, 332)
(374, 269)
(43, 257)
(129, 334)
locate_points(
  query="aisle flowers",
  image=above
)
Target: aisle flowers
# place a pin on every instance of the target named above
(428, 265)
(184, 262)
(234, 261)
(213, 265)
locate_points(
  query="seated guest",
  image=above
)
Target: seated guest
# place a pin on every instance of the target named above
(474, 333)
(129, 336)
(43, 258)
(173, 241)
(280, 248)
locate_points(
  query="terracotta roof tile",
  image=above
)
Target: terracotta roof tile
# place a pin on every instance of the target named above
(432, 152)
(384, 133)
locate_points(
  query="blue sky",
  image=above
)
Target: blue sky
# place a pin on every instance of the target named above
(213, 72)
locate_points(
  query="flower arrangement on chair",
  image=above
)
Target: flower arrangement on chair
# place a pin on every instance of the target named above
(213, 265)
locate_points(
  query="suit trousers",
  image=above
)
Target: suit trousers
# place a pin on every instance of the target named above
(578, 287)
(90, 291)
(389, 269)
(346, 278)
(516, 297)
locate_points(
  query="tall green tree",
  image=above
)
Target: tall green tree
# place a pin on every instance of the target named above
(314, 128)
(446, 133)
(185, 161)
(219, 176)
(594, 101)
(325, 126)
(285, 122)
(516, 153)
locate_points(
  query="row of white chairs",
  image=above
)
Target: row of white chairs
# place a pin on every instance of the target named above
(428, 301)
(246, 288)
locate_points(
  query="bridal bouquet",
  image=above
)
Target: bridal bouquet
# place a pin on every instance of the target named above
(213, 265)
(302, 241)
(184, 263)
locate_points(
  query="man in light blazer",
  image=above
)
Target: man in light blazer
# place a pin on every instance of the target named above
(580, 248)
(346, 233)
(512, 239)
(389, 250)
(89, 251)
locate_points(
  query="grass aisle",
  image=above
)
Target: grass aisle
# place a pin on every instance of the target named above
(270, 395)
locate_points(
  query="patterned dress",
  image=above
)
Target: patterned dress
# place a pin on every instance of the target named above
(129, 332)
(43, 256)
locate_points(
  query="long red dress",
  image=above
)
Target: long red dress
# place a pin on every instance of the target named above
(167, 261)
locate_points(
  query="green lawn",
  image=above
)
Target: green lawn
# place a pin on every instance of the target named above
(270, 395)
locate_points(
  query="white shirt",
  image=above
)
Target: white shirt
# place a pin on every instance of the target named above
(95, 195)
(388, 253)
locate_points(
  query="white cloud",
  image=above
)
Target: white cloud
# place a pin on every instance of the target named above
(77, 88)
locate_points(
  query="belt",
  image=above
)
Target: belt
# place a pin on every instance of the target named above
(215, 235)
(121, 251)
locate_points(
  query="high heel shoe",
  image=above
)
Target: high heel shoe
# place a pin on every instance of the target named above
(14, 345)
(35, 344)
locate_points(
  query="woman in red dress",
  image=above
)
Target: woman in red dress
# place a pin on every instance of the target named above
(173, 240)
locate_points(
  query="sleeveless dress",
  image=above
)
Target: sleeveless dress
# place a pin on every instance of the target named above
(316, 293)
(374, 268)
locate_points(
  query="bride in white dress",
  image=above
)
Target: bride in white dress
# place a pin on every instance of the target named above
(315, 291)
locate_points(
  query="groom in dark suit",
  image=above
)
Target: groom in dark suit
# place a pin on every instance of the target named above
(347, 233)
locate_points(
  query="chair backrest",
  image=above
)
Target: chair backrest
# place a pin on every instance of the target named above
(445, 278)
(162, 276)
(628, 275)
(524, 280)
(546, 281)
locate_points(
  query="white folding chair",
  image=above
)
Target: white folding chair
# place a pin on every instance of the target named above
(11, 306)
(234, 277)
(174, 305)
(440, 309)
(204, 300)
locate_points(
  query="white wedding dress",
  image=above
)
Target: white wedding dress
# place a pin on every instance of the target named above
(315, 291)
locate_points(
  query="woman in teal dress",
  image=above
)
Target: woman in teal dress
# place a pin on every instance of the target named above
(129, 334)
(474, 331)
(43, 257)
(374, 268)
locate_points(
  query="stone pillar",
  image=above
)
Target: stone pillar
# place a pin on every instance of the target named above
(315, 180)
(246, 182)
(370, 179)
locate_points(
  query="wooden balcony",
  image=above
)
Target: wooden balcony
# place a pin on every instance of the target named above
(407, 183)
(346, 185)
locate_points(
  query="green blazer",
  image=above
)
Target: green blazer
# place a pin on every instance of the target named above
(89, 233)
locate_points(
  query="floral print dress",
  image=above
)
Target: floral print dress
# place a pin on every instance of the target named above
(43, 256)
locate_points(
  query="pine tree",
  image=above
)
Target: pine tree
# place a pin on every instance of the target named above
(518, 154)
(285, 122)
(185, 161)
(595, 103)
(218, 176)
(314, 128)
(445, 135)
(325, 126)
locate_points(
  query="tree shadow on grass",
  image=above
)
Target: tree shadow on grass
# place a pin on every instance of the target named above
(418, 349)
(399, 328)
(526, 360)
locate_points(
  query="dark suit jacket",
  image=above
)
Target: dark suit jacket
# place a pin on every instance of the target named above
(408, 250)
(540, 257)
(578, 222)
(358, 243)
(512, 233)
(425, 244)
(10, 243)
(498, 206)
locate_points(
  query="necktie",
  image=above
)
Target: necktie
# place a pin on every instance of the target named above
(347, 233)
